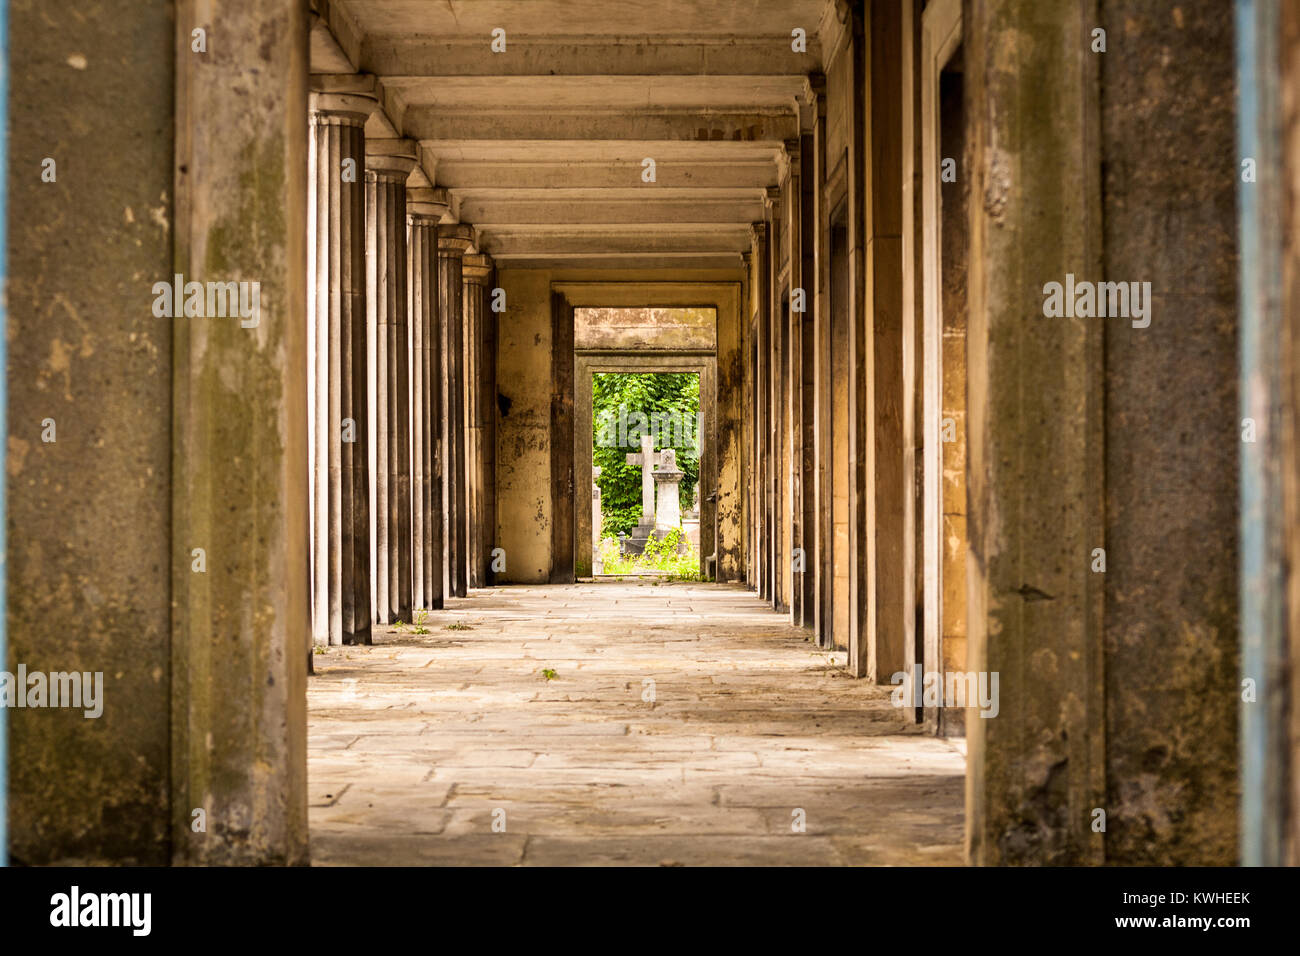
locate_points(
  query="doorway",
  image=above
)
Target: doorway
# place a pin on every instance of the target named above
(654, 346)
(645, 449)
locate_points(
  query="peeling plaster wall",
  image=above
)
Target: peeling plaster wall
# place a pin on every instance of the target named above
(524, 426)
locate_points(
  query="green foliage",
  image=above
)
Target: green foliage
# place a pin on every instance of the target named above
(618, 395)
(668, 555)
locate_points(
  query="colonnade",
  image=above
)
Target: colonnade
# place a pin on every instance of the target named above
(400, 336)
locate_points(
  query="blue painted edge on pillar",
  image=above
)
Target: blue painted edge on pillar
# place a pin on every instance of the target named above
(4, 419)
(1262, 582)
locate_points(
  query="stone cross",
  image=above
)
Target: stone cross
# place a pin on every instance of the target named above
(646, 459)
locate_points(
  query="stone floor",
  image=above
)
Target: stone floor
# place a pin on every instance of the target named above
(675, 724)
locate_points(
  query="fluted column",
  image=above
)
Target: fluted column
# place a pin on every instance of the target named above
(339, 417)
(424, 208)
(453, 241)
(388, 164)
(476, 269)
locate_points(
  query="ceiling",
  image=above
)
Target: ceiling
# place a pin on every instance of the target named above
(543, 146)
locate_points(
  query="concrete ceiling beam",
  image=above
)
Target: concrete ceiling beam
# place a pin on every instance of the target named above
(674, 55)
(629, 239)
(596, 211)
(719, 260)
(431, 124)
(581, 176)
(694, 92)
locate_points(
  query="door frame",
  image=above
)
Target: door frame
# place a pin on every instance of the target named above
(590, 362)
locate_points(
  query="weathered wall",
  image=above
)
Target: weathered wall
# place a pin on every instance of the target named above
(89, 535)
(731, 538)
(645, 329)
(839, 89)
(523, 427)
(1172, 434)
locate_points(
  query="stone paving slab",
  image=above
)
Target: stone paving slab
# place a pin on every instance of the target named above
(684, 724)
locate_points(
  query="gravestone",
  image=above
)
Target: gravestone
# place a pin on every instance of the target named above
(668, 513)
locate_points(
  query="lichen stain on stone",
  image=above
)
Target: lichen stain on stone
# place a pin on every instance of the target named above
(997, 184)
(234, 453)
(1043, 664)
(17, 456)
(60, 364)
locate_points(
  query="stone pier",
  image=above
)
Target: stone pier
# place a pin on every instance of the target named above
(424, 208)
(476, 270)
(454, 239)
(388, 164)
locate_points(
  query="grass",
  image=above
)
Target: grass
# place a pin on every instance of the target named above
(421, 619)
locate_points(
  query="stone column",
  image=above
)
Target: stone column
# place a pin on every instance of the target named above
(1035, 480)
(424, 208)
(388, 164)
(454, 239)
(476, 269)
(239, 476)
(339, 417)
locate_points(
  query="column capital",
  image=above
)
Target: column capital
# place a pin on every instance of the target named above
(792, 149)
(394, 158)
(455, 238)
(347, 97)
(758, 232)
(427, 203)
(476, 268)
(811, 103)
